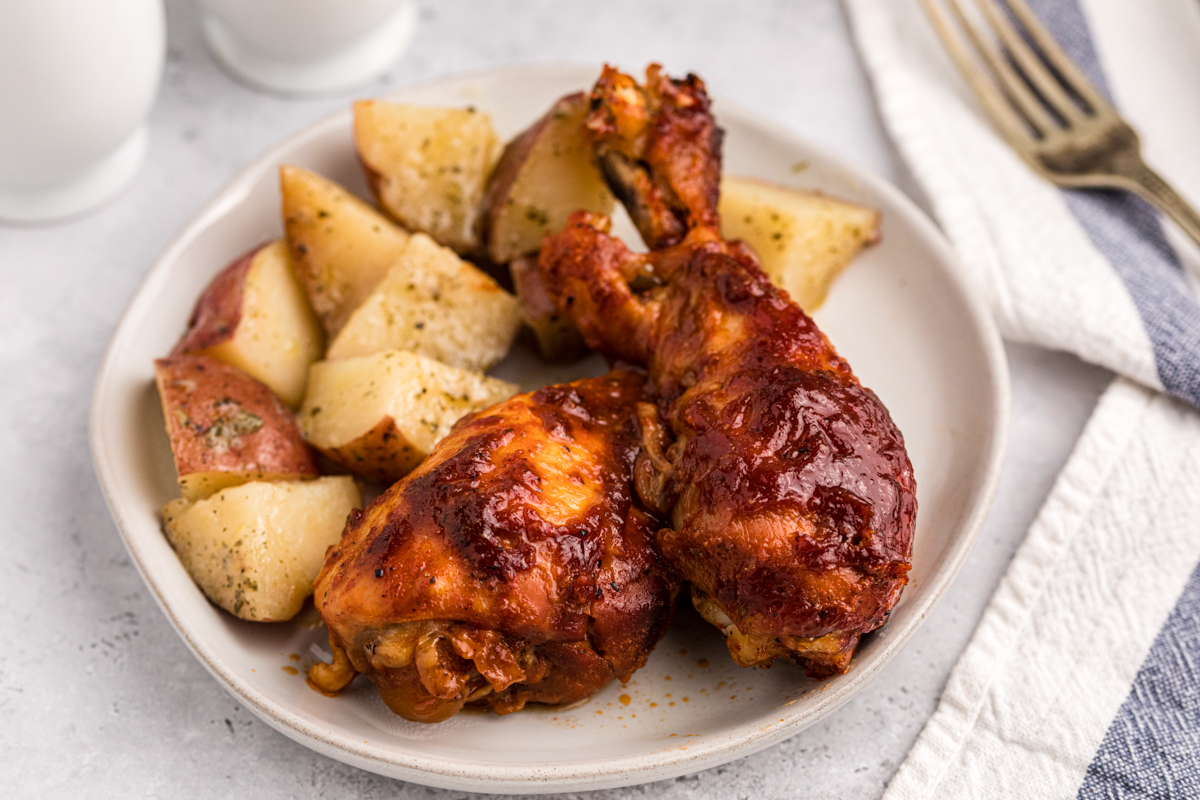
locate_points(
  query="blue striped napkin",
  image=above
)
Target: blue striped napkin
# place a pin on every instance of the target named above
(1083, 678)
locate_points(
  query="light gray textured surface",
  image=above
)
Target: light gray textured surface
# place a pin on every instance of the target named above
(100, 698)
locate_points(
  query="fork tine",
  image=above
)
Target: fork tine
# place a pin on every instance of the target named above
(998, 108)
(1030, 65)
(1015, 89)
(1075, 81)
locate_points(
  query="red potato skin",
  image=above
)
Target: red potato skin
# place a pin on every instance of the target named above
(514, 163)
(218, 312)
(558, 340)
(220, 419)
(509, 165)
(508, 168)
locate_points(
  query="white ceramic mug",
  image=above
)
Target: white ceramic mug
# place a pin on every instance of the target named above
(77, 80)
(308, 46)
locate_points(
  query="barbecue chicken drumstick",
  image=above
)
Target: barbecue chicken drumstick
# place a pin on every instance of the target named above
(790, 496)
(513, 566)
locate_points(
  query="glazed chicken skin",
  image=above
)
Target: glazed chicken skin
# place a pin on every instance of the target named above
(515, 565)
(659, 150)
(790, 496)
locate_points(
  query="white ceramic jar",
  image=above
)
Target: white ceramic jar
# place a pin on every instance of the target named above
(302, 47)
(77, 80)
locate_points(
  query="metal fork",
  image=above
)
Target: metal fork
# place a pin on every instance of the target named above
(1047, 110)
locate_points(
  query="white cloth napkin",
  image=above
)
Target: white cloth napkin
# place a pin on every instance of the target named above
(1083, 678)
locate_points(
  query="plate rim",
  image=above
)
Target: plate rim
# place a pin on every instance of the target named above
(448, 772)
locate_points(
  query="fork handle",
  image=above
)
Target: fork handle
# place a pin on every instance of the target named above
(1152, 187)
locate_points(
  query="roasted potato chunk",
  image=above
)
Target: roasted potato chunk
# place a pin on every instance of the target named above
(380, 415)
(255, 550)
(433, 303)
(254, 316)
(804, 239)
(341, 247)
(226, 428)
(428, 167)
(545, 173)
(557, 337)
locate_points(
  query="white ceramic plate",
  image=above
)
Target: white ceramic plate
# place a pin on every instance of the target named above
(899, 314)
